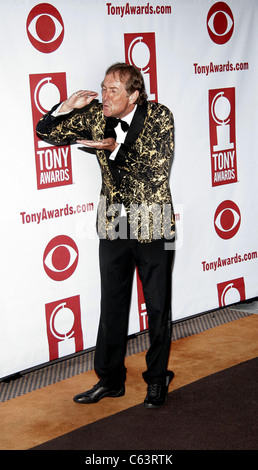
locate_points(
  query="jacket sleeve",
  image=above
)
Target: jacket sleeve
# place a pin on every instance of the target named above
(149, 158)
(63, 129)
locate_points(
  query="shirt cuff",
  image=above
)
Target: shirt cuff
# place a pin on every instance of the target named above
(113, 155)
(57, 113)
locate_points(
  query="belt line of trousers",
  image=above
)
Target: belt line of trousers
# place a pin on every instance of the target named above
(118, 259)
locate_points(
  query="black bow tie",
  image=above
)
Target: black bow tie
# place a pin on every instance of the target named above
(114, 122)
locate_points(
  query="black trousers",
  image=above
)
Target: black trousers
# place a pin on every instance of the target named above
(118, 259)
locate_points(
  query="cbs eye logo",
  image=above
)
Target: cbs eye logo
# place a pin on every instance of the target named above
(60, 258)
(220, 23)
(45, 28)
(227, 220)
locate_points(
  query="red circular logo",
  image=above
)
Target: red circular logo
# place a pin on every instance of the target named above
(45, 28)
(220, 23)
(60, 258)
(227, 219)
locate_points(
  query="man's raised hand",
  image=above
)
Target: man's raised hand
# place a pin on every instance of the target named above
(78, 100)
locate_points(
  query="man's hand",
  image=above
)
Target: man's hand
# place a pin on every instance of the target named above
(105, 144)
(78, 100)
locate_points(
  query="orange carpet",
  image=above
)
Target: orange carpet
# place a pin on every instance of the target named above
(47, 413)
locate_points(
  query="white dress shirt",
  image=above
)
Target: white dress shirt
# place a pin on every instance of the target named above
(120, 134)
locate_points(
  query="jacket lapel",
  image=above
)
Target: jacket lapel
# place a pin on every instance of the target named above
(136, 124)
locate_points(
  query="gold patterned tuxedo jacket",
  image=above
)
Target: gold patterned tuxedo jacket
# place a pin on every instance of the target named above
(138, 178)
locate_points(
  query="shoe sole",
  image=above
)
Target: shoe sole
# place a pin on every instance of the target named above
(151, 405)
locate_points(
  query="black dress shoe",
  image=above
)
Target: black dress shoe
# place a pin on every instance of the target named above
(157, 394)
(97, 392)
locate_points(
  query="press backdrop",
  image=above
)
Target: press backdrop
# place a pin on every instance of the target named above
(199, 58)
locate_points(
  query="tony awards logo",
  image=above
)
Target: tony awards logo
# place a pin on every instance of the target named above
(230, 292)
(64, 332)
(222, 136)
(140, 51)
(53, 164)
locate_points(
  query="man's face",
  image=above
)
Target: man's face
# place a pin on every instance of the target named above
(116, 102)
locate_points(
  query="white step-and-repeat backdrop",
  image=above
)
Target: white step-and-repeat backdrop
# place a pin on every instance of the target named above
(198, 57)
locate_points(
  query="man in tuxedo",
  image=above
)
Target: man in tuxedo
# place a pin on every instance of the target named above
(133, 139)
